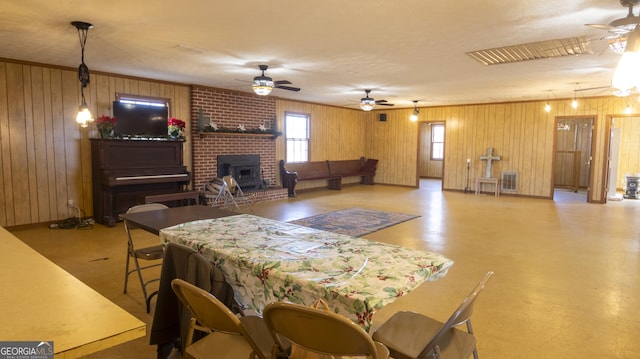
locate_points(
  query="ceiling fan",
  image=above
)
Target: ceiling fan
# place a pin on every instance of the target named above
(623, 25)
(367, 103)
(262, 85)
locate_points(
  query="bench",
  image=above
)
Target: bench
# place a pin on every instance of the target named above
(173, 199)
(366, 169)
(332, 171)
(291, 173)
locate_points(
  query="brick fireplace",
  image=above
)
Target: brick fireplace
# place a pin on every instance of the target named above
(229, 109)
(244, 168)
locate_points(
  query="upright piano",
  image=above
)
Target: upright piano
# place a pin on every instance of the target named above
(125, 171)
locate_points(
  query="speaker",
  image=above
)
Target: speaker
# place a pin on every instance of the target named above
(382, 117)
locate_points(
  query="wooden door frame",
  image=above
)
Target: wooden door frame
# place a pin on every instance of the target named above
(419, 154)
(607, 150)
(590, 175)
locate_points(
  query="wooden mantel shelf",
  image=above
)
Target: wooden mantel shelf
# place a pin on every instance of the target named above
(236, 134)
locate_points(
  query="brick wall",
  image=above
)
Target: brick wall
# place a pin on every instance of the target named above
(229, 109)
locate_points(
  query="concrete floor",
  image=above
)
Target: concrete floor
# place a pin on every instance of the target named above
(566, 281)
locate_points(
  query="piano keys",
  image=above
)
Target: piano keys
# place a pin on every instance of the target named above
(125, 171)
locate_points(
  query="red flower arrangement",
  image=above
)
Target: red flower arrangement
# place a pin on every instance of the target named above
(105, 125)
(175, 127)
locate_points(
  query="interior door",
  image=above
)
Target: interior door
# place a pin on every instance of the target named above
(628, 162)
(573, 156)
(430, 167)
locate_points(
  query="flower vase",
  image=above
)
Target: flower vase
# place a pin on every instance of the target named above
(175, 134)
(104, 132)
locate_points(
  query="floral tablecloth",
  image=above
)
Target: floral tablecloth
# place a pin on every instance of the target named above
(267, 260)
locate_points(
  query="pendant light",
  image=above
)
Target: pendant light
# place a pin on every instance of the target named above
(84, 115)
(416, 112)
(574, 103)
(547, 107)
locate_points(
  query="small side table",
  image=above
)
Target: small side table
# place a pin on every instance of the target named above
(494, 181)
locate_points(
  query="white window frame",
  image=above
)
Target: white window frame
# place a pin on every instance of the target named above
(296, 138)
(437, 145)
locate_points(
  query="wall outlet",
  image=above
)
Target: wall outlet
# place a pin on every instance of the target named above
(71, 203)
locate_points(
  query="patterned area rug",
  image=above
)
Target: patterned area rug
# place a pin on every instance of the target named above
(354, 221)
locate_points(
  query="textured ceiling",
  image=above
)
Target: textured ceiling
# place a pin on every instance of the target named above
(403, 50)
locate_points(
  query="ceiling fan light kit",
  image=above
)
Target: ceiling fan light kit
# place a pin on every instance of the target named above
(263, 85)
(367, 103)
(627, 74)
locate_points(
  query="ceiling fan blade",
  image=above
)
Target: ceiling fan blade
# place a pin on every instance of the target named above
(602, 27)
(383, 103)
(282, 82)
(288, 88)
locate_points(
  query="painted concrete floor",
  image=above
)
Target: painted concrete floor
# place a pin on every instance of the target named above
(567, 273)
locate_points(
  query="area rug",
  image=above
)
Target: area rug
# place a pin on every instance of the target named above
(354, 221)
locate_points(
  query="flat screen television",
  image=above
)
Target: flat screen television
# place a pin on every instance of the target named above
(141, 120)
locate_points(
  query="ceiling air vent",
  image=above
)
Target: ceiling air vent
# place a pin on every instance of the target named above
(570, 46)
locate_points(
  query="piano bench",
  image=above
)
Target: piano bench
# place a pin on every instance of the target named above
(187, 197)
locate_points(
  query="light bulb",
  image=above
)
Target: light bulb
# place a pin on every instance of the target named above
(627, 74)
(547, 107)
(84, 116)
(367, 103)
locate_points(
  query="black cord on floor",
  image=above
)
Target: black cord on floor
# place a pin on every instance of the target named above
(71, 223)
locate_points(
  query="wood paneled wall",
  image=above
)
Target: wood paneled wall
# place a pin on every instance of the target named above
(629, 163)
(336, 133)
(45, 156)
(394, 143)
(522, 133)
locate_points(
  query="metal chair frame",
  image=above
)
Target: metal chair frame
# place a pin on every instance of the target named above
(228, 336)
(435, 339)
(317, 331)
(147, 253)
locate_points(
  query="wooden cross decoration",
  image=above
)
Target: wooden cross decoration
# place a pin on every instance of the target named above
(489, 157)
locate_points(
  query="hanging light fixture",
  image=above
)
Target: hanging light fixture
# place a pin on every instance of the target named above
(84, 115)
(547, 107)
(627, 74)
(416, 112)
(262, 85)
(574, 103)
(367, 103)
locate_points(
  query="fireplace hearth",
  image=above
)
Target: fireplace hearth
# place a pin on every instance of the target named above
(244, 168)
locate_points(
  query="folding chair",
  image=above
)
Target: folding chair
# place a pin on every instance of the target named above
(413, 335)
(229, 336)
(152, 253)
(238, 197)
(217, 193)
(318, 332)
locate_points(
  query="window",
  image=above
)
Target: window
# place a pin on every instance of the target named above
(296, 132)
(437, 142)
